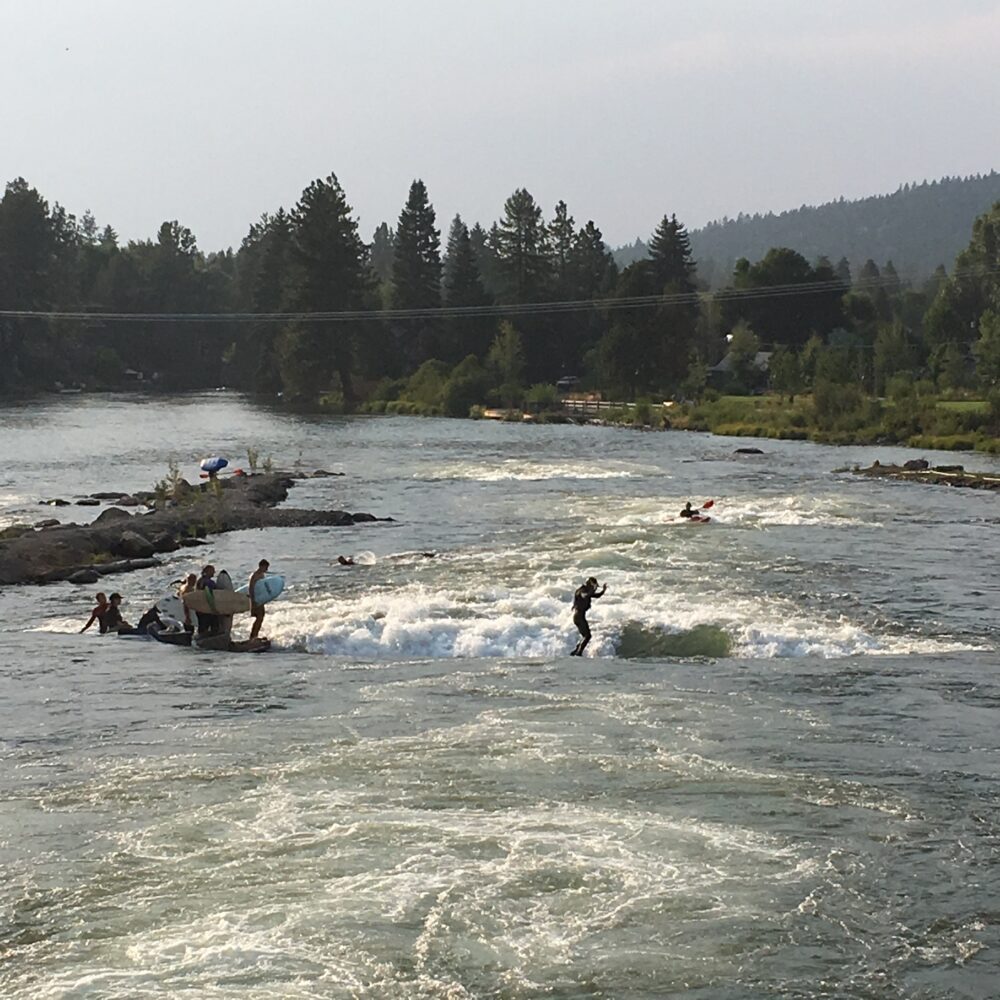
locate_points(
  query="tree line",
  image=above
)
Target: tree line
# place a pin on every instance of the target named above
(488, 315)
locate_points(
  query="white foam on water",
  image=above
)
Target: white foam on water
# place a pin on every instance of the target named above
(415, 621)
(516, 469)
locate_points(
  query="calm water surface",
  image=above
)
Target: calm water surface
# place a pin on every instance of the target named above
(775, 775)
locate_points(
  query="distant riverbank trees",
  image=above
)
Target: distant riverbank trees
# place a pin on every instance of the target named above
(496, 315)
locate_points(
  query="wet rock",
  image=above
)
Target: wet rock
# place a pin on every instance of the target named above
(234, 504)
(49, 522)
(164, 542)
(84, 576)
(111, 514)
(748, 451)
(916, 465)
(190, 543)
(323, 474)
(107, 496)
(88, 502)
(949, 468)
(125, 566)
(127, 502)
(14, 531)
(54, 503)
(133, 545)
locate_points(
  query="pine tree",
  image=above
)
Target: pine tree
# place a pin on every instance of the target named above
(561, 240)
(670, 259)
(382, 251)
(522, 248)
(843, 271)
(463, 287)
(484, 246)
(416, 273)
(328, 273)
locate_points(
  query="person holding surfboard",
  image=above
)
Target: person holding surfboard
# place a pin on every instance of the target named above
(257, 610)
(206, 623)
(581, 605)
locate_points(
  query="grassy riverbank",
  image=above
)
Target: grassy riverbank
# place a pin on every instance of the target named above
(846, 417)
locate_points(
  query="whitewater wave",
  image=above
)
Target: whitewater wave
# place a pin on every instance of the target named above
(420, 622)
(525, 471)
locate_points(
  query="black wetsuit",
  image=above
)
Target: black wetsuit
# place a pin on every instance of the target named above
(688, 512)
(581, 605)
(207, 623)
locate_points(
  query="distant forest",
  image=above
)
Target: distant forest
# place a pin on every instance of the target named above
(411, 320)
(918, 228)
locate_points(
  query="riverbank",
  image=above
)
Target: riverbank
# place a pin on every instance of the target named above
(170, 518)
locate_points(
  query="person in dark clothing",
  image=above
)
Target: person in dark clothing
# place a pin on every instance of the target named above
(207, 624)
(581, 605)
(688, 510)
(151, 617)
(113, 620)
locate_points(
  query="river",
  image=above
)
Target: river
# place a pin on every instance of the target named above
(775, 773)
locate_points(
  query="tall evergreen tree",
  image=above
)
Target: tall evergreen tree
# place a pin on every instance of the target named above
(670, 258)
(416, 272)
(328, 273)
(561, 240)
(463, 287)
(383, 252)
(484, 245)
(522, 248)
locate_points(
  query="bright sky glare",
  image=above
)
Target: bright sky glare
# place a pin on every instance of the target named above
(214, 111)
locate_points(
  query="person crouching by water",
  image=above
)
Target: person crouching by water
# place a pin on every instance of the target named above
(207, 623)
(97, 615)
(113, 620)
(257, 610)
(581, 605)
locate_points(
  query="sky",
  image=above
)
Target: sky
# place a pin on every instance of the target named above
(212, 112)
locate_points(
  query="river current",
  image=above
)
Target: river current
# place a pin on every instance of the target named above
(774, 774)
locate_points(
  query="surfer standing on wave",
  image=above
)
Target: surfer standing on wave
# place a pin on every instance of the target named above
(581, 605)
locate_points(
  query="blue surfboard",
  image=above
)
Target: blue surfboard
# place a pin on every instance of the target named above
(266, 589)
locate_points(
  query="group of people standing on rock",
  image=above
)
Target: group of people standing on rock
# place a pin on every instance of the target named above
(107, 615)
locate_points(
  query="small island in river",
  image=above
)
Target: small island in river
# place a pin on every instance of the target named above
(172, 518)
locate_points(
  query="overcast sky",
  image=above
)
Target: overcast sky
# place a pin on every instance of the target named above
(214, 111)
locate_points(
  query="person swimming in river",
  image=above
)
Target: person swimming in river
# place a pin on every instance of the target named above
(98, 613)
(581, 605)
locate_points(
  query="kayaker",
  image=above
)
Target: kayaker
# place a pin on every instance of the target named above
(581, 605)
(688, 510)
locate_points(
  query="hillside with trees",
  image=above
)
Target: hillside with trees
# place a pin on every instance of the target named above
(918, 227)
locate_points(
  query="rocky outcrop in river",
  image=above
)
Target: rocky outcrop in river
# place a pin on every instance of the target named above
(118, 541)
(921, 471)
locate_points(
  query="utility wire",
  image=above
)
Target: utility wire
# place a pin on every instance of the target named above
(493, 310)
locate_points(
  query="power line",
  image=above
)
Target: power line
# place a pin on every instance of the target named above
(494, 310)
